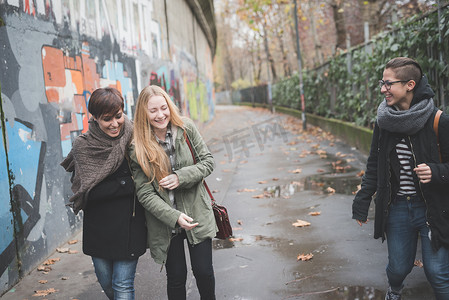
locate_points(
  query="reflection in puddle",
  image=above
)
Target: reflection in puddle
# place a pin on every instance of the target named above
(349, 293)
(222, 244)
(342, 184)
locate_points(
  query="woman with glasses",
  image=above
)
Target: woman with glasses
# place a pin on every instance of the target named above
(114, 231)
(170, 187)
(410, 181)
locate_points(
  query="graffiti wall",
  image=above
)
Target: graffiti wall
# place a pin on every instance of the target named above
(53, 55)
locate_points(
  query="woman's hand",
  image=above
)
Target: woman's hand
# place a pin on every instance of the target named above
(169, 182)
(361, 222)
(185, 222)
(423, 172)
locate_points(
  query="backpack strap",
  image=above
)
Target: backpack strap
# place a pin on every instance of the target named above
(436, 121)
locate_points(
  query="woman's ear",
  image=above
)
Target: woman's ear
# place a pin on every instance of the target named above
(411, 85)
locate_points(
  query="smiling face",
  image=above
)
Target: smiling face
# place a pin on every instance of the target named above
(111, 124)
(158, 113)
(400, 94)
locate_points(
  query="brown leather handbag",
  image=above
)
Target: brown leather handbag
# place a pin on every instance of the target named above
(220, 212)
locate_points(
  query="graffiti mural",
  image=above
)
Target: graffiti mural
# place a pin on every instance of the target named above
(69, 82)
(54, 55)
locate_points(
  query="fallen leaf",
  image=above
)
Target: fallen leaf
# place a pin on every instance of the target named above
(418, 263)
(275, 179)
(320, 170)
(304, 257)
(51, 261)
(44, 268)
(359, 187)
(314, 213)
(296, 171)
(64, 278)
(215, 191)
(301, 223)
(72, 252)
(43, 281)
(226, 171)
(260, 196)
(73, 242)
(330, 190)
(62, 250)
(235, 239)
(361, 173)
(246, 190)
(236, 228)
(262, 182)
(239, 222)
(41, 293)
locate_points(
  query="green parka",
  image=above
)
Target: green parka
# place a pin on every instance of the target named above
(191, 195)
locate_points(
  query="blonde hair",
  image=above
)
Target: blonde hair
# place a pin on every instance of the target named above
(150, 155)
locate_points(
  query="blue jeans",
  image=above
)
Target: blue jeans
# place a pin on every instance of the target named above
(201, 260)
(116, 277)
(407, 220)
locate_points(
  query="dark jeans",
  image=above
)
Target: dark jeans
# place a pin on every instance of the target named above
(407, 221)
(201, 260)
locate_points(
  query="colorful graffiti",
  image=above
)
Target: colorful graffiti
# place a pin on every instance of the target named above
(69, 82)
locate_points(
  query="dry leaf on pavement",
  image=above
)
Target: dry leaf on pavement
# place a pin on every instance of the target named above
(418, 263)
(296, 171)
(44, 269)
(235, 239)
(330, 190)
(315, 213)
(262, 182)
(73, 242)
(43, 281)
(304, 257)
(301, 223)
(62, 250)
(51, 261)
(41, 293)
(246, 190)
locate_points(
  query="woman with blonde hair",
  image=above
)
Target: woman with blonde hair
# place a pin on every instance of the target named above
(169, 185)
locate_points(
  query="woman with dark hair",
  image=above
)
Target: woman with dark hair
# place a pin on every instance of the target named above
(170, 187)
(114, 231)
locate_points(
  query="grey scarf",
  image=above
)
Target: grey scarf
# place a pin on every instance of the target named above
(94, 156)
(404, 121)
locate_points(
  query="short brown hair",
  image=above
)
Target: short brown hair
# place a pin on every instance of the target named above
(405, 68)
(105, 101)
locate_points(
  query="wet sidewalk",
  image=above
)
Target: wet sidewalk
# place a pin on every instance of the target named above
(289, 195)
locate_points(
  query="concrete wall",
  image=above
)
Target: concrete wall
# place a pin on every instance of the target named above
(53, 55)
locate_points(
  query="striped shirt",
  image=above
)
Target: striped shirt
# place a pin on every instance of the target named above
(406, 184)
(169, 149)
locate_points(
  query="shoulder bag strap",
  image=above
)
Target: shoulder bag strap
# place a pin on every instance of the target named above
(436, 121)
(194, 160)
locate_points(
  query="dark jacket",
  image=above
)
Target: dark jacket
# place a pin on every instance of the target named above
(114, 221)
(382, 174)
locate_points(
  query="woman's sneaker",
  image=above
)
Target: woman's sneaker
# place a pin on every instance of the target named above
(392, 295)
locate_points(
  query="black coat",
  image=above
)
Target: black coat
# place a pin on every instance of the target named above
(382, 173)
(114, 221)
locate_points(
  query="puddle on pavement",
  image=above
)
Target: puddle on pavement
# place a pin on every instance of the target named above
(222, 244)
(341, 184)
(349, 293)
(321, 183)
(245, 240)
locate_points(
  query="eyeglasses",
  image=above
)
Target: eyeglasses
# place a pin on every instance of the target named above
(388, 83)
